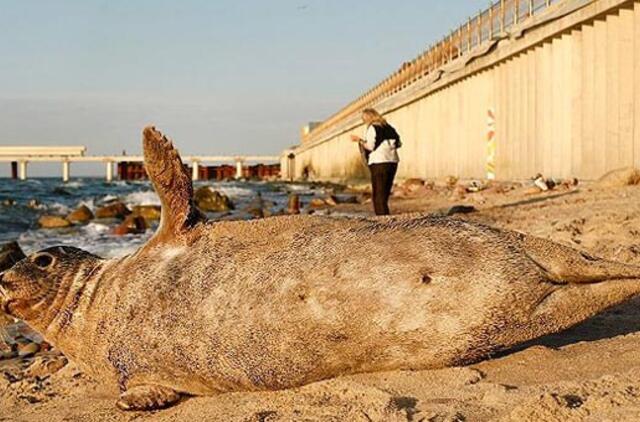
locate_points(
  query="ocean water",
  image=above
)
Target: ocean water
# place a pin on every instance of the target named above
(20, 221)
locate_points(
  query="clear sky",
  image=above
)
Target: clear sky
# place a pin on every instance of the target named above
(218, 76)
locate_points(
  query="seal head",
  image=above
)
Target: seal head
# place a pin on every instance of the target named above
(30, 288)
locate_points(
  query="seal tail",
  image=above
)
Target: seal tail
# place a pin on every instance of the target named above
(563, 264)
(173, 185)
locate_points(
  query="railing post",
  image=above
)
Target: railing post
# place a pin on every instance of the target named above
(469, 36)
(479, 21)
(530, 7)
(516, 12)
(65, 170)
(14, 170)
(502, 16)
(490, 20)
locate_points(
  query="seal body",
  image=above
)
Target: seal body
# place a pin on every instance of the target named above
(205, 307)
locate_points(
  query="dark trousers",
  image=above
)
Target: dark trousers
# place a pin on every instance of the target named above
(382, 175)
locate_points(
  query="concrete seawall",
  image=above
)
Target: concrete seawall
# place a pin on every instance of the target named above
(564, 87)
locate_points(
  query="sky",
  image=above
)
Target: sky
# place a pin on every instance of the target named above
(220, 77)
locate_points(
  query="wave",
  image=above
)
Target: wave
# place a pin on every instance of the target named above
(142, 198)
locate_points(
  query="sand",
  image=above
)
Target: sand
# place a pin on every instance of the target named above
(588, 373)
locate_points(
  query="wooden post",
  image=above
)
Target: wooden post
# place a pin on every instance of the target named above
(469, 35)
(479, 21)
(516, 13)
(530, 7)
(502, 16)
(14, 170)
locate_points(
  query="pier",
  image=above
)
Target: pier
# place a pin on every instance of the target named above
(20, 156)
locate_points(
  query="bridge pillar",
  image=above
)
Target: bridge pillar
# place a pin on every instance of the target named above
(14, 170)
(109, 171)
(239, 168)
(65, 171)
(23, 170)
(194, 170)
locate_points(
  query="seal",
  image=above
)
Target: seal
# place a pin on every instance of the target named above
(205, 308)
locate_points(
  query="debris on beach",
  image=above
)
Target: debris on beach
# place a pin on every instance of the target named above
(621, 177)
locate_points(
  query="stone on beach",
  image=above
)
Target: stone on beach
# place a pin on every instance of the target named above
(132, 224)
(81, 215)
(210, 200)
(53, 222)
(113, 210)
(148, 212)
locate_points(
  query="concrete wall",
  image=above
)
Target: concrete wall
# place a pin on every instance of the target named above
(566, 96)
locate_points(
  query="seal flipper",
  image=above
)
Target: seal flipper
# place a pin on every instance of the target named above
(172, 184)
(148, 397)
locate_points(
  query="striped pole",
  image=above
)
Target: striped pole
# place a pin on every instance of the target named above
(491, 145)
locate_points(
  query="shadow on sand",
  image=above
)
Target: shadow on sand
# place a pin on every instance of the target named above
(617, 321)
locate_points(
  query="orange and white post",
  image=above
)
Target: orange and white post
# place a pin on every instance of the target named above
(491, 145)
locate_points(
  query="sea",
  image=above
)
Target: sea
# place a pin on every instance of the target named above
(23, 202)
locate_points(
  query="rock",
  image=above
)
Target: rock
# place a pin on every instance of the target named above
(113, 210)
(27, 349)
(81, 215)
(347, 199)
(8, 202)
(33, 204)
(256, 207)
(450, 181)
(331, 201)
(412, 185)
(209, 200)
(533, 190)
(476, 186)
(459, 192)
(293, 205)
(132, 224)
(541, 183)
(620, 177)
(461, 209)
(317, 203)
(61, 191)
(53, 222)
(148, 212)
(10, 253)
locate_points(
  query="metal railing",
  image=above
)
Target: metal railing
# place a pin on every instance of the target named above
(486, 25)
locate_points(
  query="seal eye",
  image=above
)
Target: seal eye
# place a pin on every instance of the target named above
(43, 261)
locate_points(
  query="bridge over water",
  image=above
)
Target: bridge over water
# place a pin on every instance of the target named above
(526, 86)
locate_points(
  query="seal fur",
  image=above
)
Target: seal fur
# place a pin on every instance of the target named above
(205, 308)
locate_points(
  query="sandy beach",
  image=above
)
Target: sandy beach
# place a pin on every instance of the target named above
(588, 373)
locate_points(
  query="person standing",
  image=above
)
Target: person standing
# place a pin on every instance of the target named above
(380, 145)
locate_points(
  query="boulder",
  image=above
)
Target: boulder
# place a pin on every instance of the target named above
(53, 222)
(148, 212)
(331, 200)
(81, 215)
(33, 204)
(210, 200)
(113, 210)
(317, 203)
(620, 177)
(293, 205)
(461, 209)
(8, 202)
(412, 185)
(132, 224)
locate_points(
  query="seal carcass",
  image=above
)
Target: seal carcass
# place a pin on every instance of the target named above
(205, 308)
